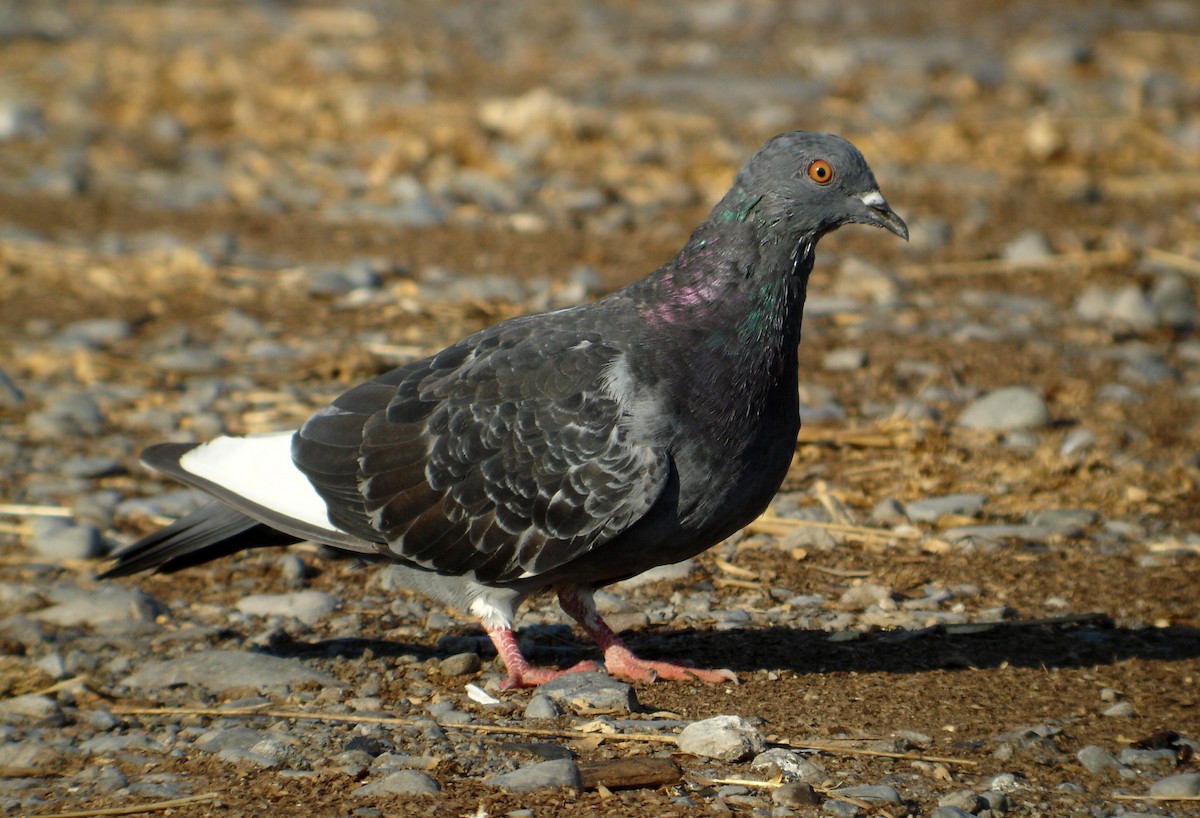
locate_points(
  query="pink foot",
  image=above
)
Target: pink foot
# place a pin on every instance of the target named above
(620, 660)
(520, 672)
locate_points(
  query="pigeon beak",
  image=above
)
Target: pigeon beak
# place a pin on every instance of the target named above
(880, 214)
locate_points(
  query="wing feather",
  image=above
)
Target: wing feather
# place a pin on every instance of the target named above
(505, 455)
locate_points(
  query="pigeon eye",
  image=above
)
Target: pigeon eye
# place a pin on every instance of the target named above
(820, 172)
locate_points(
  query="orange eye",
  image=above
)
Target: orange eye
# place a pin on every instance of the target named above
(820, 172)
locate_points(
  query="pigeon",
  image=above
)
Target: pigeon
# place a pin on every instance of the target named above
(560, 451)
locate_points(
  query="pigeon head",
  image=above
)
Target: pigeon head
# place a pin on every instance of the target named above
(802, 185)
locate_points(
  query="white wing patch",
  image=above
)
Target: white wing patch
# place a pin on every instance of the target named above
(260, 469)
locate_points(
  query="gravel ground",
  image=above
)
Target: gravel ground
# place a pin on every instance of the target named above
(977, 593)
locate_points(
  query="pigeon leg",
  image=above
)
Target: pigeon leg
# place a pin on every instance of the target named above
(619, 660)
(520, 672)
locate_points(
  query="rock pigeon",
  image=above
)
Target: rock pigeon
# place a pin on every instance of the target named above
(564, 450)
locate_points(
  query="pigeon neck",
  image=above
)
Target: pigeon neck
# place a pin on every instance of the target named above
(725, 313)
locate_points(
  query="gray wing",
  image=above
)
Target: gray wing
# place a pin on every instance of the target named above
(505, 455)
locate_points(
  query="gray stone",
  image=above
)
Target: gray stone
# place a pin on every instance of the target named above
(1077, 442)
(66, 416)
(246, 758)
(217, 670)
(1172, 298)
(1096, 759)
(461, 664)
(929, 509)
(676, 572)
(57, 539)
(96, 332)
(964, 800)
(589, 692)
(108, 779)
(1014, 407)
(92, 466)
(844, 360)
(20, 120)
(999, 531)
(282, 752)
(950, 811)
(876, 793)
(1028, 245)
(888, 511)
(995, 800)
(131, 743)
(1065, 522)
(1131, 308)
(29, 752)
(795, 795)
(307, 606)
(1180, 785)
(41, 711)
(343, 280)
(104, 603)
(560, 772)
(1094, 304)
(102, 720)
(1148, 759)
(401, 782)
(218, 739)
(726, 738)
(542, 707)
(840, 809)
(1119, 710)
(1002, 783)
(791, 765)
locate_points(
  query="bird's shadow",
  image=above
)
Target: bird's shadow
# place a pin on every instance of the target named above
(1079, 642)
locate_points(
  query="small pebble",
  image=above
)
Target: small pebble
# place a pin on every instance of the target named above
(544, 775)
(964, 800)
(307, 606)
(542, 707)
(928, 510)
(795, 794)
(58, 540)
(1096, 759)
(876, 793)
(1180, 785)
(1119, 710)
(588, 692)
(461, 664)
(401, 782)
(950, 811)
(1014, 407)
(726, 738)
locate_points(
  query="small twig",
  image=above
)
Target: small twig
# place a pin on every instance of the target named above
(385, 720)
(847, 573)
(27, 510)
(74, 681)
(730, 568)
(750, 782)
(773, 524)
(825, 747)
(738, 583)
(1173, 261)
(736, 782)
(136, 809)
